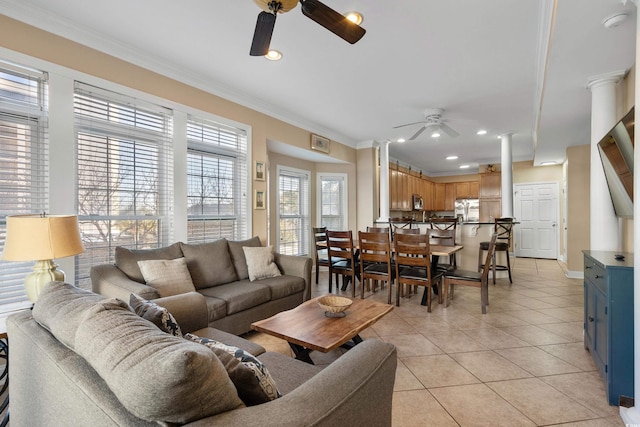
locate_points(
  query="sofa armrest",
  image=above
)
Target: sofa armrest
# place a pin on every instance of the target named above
(189, 309)
(296, 266)
(356, 389)
(109, 281)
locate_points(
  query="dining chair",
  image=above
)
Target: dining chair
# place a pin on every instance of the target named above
(396, 224)
(375, 260)
(443, 232)
(322, 258)
(503, 227)
(471, 278)
(413, 265)
(342, 259)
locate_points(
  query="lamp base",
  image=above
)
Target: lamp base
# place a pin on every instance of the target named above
(43, 272)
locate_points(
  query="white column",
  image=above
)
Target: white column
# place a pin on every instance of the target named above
(506, 176)
(384, 182)
(631, 416)
(604, 228)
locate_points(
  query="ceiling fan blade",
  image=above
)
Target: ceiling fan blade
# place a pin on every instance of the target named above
(262, 34)
(448, 130)
(417, 134)
(332, 20)
(408, 124)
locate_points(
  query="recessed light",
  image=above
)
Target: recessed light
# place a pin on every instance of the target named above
(401, 140)
(452, 157)
(482, 132)
(464, 166)
(355, 17)
(435, 135)
(273, 55)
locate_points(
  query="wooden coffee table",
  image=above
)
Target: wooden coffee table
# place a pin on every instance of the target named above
(306, 328)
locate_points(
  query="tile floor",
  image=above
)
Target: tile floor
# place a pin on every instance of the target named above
(521, 364)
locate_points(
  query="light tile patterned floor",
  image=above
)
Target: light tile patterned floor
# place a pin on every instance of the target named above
(523, 363)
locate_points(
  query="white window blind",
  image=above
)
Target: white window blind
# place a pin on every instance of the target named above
(216, 181)
(333, 202)
(23, 164)
(125, 175)
(293, 212)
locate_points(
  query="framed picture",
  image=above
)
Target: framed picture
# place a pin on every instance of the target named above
(259, 200)
(320, 143)
(259, 172)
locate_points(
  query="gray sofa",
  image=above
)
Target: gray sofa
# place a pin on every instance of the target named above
(219, 272)
(54, 364)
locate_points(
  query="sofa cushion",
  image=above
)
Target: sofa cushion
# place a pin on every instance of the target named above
(157, 315)
(260, 262)
(239, 295)
(237, 255)
(127, 259)
(209, 263)
(168, 276)
(60, 308)
(283, 286)
(156, 376)
(251, 378)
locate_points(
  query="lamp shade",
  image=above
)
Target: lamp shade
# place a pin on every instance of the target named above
(41, 237)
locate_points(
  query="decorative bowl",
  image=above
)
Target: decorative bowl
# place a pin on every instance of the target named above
(334, 306)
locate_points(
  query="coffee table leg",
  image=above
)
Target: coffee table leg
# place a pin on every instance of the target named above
(301, 353)
(354, 342)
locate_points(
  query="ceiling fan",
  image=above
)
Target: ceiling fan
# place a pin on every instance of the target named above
(432, 120)
(317, 11)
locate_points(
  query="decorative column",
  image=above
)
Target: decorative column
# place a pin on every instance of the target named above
(605, 235)
(384, 182)
(631, 416)
(506, 176)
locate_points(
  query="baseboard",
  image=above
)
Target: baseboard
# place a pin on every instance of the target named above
(630, 416)
(575, 274)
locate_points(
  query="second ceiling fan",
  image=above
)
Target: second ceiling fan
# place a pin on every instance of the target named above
(433, 121)
(317, 11)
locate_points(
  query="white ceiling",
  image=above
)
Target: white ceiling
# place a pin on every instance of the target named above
(501, 65)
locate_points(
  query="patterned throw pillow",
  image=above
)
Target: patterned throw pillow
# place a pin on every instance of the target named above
(157, 315)
(260, 262)
(251, 378)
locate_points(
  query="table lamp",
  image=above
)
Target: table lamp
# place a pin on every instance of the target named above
(41, 238)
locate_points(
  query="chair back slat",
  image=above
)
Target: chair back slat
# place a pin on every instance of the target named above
(374, 247)
(340, 245)
(487, 262)
(443, 232)
(503, 228)
(412, 250)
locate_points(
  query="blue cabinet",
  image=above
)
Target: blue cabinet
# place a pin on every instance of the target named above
(608, 319)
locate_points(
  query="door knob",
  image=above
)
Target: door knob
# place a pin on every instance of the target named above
(591, 319)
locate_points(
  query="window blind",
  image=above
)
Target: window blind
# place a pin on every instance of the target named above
(293, 212)
(23, 164)
(217, 182)
(124, 163)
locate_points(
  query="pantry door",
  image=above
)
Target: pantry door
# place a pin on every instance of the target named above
(536, 209)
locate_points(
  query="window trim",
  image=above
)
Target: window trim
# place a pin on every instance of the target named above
(345, 197)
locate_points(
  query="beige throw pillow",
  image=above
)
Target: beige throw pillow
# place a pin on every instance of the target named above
(168, 276)
(260, 262)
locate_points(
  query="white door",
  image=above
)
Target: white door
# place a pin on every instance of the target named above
(536, 209)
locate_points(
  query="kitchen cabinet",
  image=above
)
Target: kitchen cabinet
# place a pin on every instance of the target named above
(449, 196)
(489, 209)
(439, 194)
(428, 195)
(490, 185)
(462, 190)
(608, 320)
(474, 187)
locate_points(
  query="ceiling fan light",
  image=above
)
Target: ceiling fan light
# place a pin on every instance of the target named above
(273, 55)
(464, 166)
(355, 17)
(401, 140)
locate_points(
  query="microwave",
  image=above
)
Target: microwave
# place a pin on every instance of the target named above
(416, 202)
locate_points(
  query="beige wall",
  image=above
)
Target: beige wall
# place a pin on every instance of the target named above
(578, 165)
(30, 41)
(368, 189)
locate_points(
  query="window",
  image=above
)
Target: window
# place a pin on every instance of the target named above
(124, 175)
(332, 203)
(23, 164)
(293, 211)
(216, 181)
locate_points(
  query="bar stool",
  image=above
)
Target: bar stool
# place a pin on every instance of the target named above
(502, 228)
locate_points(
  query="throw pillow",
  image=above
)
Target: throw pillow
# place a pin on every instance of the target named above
(156, 376)
(127, 259)
(237, 255)
(209, 263)
(251, 378)
(260, 262)
(156, 314)
(168, 276)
